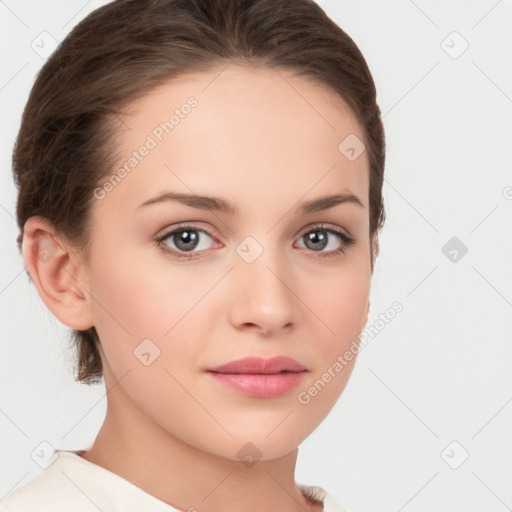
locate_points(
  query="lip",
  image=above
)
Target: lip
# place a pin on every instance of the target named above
(258, 377)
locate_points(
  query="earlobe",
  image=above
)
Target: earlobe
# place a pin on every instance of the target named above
(54, 274)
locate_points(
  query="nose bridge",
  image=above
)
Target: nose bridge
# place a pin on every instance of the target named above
(262, 289)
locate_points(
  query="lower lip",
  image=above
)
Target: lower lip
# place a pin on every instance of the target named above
(260, 385)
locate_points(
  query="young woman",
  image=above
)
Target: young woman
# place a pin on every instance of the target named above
(200, 197)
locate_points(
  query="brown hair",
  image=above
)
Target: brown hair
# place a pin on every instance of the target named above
(124, 49)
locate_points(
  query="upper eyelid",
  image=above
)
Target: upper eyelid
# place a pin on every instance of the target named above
(193, 225)
(183, 225)
(323, 225)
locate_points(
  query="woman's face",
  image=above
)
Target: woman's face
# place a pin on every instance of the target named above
(233, 284)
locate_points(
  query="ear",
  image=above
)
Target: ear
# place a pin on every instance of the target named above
(366, 317)
(374, 251)
(56, 276)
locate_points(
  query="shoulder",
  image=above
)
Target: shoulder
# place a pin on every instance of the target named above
(73, 483)
(50, 491)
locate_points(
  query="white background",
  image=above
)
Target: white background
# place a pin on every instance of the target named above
(440, 371)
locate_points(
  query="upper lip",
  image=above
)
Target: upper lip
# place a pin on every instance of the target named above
(260, 365)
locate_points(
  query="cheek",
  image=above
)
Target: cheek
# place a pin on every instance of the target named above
(135, 301)
(348, 307)
(340, 304)
(339, 301)
(342, 309)
(141, 298)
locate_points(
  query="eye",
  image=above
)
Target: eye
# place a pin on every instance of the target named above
(184, 241)
(187, 240)
(319, 237)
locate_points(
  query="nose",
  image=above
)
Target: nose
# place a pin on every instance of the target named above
(262, 296)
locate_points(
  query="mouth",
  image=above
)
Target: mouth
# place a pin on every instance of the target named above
(260, 378)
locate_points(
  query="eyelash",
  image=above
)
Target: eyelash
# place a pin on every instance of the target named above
(347, 241)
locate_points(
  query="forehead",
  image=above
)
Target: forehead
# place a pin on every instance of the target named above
(250, 130)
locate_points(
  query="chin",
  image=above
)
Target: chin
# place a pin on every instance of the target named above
(257, 444)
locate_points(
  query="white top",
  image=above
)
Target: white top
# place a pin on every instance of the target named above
(72, 483)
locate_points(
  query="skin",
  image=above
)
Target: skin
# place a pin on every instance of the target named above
(265, 143)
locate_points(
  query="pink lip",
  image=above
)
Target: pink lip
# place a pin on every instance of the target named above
(261, 378)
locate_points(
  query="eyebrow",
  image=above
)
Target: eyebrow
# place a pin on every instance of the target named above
(223, 206)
